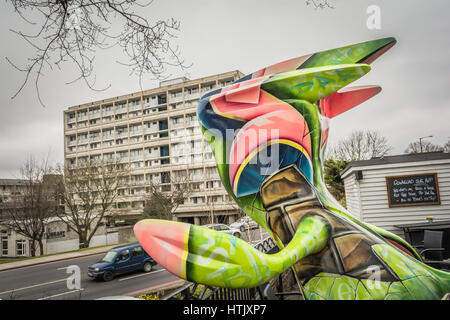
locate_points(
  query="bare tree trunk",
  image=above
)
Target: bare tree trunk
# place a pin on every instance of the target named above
(83, 241)
(41, 247)
(33, 248)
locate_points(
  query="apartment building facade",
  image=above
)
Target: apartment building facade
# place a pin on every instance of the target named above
(10, 191)
(156, 132)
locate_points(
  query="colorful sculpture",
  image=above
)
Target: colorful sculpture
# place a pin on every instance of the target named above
(268, 132)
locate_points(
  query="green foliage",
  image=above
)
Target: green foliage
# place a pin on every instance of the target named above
(332, 170)
(158, 295)
(156, 208)
(343, 202)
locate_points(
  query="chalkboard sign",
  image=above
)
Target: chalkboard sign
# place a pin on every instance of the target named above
(413, 190)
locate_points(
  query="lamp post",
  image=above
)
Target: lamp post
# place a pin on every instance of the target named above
(420, 142)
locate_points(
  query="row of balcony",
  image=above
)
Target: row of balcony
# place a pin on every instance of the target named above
(119, 121)
(193, 129)
(123, 109)
(146, 102)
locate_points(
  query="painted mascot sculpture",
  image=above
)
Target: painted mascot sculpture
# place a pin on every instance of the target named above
(268, 132)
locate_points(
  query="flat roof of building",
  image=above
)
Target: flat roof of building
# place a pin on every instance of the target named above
(12, 181)
(413, 157)
(168, 86)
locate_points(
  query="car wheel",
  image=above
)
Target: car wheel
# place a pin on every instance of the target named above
(237, 234)
(108, 276)
(148, 267)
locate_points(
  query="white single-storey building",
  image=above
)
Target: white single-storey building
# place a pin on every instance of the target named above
(402, 189)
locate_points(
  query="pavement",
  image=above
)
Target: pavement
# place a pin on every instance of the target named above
(53, 258)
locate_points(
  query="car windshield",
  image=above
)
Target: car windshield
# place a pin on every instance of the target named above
(110, 256)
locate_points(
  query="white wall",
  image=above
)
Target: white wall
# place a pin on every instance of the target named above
(61, 246)
(73, 244)
(370, 204)
(101, 240)
(352, 197)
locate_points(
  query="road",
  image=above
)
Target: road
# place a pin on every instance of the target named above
(49, 281)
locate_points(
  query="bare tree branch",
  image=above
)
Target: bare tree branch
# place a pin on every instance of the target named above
(319, 4)
(447, 147)
(360, 145)
(424, 146)
(162, 204)
(30, 209)
(73, 31)
(89, 190)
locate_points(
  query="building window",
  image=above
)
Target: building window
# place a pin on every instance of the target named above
(165, 188)
(163, 124)
(177, 120)
(20, 247)
(4, 245)
(165, 177)
(162, 99)
(136, 164)
(164, 151)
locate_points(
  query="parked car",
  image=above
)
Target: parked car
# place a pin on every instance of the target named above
(225, 228)
(244, 223)
(120, 260)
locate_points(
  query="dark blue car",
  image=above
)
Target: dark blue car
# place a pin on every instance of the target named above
(120, 260)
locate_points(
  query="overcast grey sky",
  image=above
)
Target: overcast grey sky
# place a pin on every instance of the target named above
(220, 36)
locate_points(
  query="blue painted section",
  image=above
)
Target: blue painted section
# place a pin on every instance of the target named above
(212, 121)
(256, 170)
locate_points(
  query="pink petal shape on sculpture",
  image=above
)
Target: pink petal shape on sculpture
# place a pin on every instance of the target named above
(249, 94)
(346, 99)
(166, 242)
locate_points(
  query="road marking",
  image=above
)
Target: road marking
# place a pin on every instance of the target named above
(63, 268)
(61, 294)
(40, 264)
(33, 286)
(141, 275)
